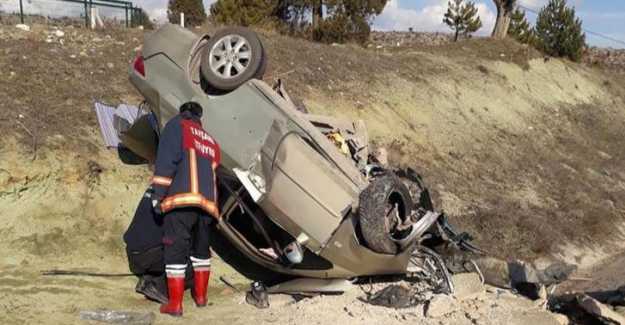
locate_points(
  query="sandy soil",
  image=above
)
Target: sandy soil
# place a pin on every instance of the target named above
(526, 154)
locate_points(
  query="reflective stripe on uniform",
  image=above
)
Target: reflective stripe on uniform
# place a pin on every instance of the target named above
(175, 270)
(193, 179)
(201, 264)
(190, 199)
(160, 180)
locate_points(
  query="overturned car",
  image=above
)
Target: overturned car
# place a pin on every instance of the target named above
(301, 197)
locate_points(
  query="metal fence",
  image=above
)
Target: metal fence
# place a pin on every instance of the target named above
(122, 12)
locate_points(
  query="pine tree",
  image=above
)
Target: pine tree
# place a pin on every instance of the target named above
(194, 13)
(329, 20)
(520, 28)
(348, 20)
(141, 18)
(246, 12)
(462, 18)
(559, 32)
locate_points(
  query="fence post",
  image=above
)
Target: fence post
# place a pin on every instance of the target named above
(21, 12)
(94, 14)
(182, 19)
(86, 14)
(126, 8)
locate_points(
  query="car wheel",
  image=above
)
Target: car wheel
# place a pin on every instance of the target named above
(233, 56)
(384, 206)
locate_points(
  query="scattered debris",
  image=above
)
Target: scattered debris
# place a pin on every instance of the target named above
(439, 306)
(257, 296)
(600, 310)
(23, 27)
(230, 285)
(467, 285)
(118, 317)
(59, 33)
(561, 319)
(401, 295)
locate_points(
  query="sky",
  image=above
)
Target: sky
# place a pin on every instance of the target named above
(602, 16)
(606, 17)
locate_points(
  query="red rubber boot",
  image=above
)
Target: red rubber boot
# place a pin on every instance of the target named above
(201, 275)
(200, 286)
(175, 287)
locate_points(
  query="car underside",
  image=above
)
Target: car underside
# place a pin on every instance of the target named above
(301, 195)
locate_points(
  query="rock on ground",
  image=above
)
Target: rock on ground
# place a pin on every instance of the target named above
(467, 285)
(439, 306)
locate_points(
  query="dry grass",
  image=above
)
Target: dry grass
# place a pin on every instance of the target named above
(510, 144)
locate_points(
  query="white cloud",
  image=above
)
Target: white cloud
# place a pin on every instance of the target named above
(427, 19)
(533, 4)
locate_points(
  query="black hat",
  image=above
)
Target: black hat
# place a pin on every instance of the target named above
(192, 107)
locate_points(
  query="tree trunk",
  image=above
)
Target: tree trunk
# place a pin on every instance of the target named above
(504, 16)
(456, 35)
(317, 14)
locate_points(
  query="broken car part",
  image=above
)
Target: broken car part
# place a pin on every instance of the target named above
(257, 296)
(304, 285)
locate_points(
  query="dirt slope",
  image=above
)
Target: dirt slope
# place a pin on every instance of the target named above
(524, 153)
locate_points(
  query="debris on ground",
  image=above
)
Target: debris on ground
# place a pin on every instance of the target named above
(404, 302)
(401, 295)
(23, 27)
(257, 296)
(601, 311)
(440, 305)
(118, 317)
(590, 308)
(467, 285)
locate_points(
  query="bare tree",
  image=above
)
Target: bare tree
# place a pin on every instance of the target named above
(317, 13)
(504, 16)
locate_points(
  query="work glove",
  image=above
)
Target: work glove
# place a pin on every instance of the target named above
(156, 205)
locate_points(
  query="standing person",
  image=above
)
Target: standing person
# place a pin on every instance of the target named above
(185, 191)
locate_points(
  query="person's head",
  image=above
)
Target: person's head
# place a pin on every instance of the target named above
(192, 109)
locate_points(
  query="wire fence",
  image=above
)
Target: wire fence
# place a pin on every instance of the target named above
(73, 12)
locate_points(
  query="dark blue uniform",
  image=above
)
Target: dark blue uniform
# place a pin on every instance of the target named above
(185, 185)
(186, 160)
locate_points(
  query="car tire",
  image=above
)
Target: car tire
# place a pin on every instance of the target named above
(263, 66)
(377, 225)
(233, 56)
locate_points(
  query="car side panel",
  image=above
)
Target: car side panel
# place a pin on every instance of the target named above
(305, 194)
(171, 40)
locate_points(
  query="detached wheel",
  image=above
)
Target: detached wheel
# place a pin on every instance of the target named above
(384, 206)
(233, 56)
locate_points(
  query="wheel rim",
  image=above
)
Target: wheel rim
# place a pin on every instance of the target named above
(396, 215)
(230, 56)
